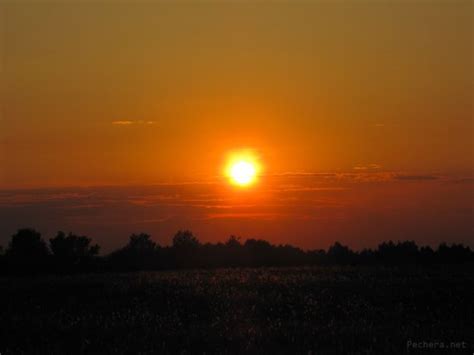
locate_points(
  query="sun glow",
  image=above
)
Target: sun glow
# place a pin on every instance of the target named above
(242, 169)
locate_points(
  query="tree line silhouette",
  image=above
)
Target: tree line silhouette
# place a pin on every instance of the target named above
(28, 252)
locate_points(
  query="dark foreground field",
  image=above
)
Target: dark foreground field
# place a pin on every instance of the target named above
(350, 310)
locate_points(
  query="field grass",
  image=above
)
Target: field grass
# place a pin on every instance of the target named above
(347, 310)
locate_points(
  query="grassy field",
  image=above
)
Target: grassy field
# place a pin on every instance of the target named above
(347, 310)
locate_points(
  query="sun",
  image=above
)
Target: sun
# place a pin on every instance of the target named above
(242, 168)
(242, 172)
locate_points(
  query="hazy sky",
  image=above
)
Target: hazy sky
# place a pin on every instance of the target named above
(120, 93)
(314, 86)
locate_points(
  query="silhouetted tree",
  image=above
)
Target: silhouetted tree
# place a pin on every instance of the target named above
(233, 242)
(366, 256)
(287, 255)
(426, 255)
(400, 253)
(340, 254)
(258, 252)
(27, 251)
(233, 252)
(140, 253)
(141, 244)
(72, 250)
(317, 256)
(185, 249)
(2, 260)
(456, 253)
(185, 240)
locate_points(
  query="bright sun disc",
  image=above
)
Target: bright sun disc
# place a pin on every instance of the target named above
(242, 172)
(243, 167)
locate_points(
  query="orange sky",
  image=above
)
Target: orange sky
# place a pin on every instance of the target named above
(102, 93)
(308, 210)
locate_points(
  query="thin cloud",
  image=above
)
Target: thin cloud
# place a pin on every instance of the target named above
(246, 215)
(361, 173)
(416, 177)
(464, 180)
(122, 123)
(128, 122)
(364, 173)
(302, 173)
(368, 167)
(309, 188)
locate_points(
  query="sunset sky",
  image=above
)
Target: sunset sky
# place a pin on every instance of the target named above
(120, 117)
